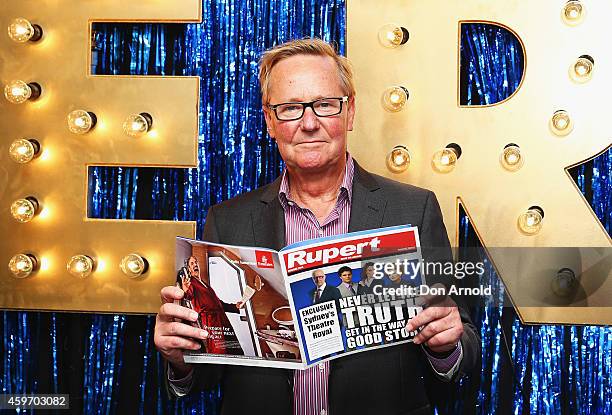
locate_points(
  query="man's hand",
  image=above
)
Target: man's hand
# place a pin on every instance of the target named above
(172, 337)
(442, 324)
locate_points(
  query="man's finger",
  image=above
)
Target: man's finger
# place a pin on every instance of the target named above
(184, 330)
(168, 311)
(445, 339)
(434, 327)
(168, 343)
(427, 315)
(171, 293)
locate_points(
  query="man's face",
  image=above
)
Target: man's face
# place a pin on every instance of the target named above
(319, 278)
(193, 267)
(395, 277)
(312, 143)
(346, 276)
(369, 271)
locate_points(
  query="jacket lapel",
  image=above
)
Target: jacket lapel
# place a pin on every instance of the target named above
(368, 204)
(269, 219)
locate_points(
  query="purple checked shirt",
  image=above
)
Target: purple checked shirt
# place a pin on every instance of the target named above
(310, 385)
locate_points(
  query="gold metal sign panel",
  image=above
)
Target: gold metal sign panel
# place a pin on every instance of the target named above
(60, 63)
(428, 67)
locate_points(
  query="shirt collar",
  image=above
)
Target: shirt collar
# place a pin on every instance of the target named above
(346, 186)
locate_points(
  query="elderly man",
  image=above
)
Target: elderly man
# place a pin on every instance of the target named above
(322, 291)
(309, 106)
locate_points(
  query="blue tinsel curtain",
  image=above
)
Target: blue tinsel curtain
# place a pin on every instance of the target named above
(108, 364)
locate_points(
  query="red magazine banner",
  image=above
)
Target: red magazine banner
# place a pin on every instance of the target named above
(350, 250)
(264, 259)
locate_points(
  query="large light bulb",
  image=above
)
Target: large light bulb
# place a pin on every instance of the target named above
(392, 35)
(573, 12)
(23, 150)
(564, 282)
(22, 265)
(137, 125)
(582, 70)
(395, 98)
(561, 123)
(444, 161)
(511, 158)
(80, 266)
(81, 122)
(530, 222)
(18, 92)
(21, 30)
(398, 159)
(24, 210)
(133, 265)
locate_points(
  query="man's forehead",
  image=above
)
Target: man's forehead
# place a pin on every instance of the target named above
(304, 76)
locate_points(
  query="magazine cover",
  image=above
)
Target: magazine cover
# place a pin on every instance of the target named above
(312, 301)
(355, 291)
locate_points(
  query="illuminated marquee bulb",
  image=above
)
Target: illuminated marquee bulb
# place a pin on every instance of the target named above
(582, 69)
(530, 222)
(398, 159)
(573, 12)
(133, 265)
(392, 36)
(561, 124)
(80, 266)
(24, 150)
(137, 125)
(24, 210)
(18, 92)
(81, 122)
(22, 265)
(444, 160)
(511, 158)
(395, 98)
(564, 282)
(21, 30)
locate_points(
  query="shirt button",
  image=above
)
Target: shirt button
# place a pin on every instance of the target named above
(320, 232)
(321, 367)
(323, 412)
(291, 203)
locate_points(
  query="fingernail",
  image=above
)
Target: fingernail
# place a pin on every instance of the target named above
(193, 315)
(417, 341)
(203, 334)
(409, 327)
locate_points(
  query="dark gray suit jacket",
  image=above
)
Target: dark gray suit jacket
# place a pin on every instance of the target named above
(384, 381)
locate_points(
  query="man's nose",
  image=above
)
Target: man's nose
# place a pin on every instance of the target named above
(309, 121)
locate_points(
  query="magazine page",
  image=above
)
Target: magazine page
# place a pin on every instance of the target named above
(241, 298)
(354, 292)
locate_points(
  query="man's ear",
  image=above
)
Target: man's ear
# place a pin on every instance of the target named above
(269, 124)
(350, 113)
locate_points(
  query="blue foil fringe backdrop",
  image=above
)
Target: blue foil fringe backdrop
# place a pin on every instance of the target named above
(559, 369)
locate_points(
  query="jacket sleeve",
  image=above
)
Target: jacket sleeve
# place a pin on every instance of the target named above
(436, 248)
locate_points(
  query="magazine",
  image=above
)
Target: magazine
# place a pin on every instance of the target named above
(310, 302)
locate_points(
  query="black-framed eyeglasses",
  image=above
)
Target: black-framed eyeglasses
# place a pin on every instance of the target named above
(323, 107)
